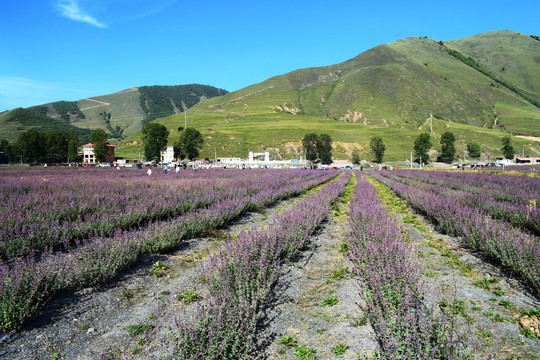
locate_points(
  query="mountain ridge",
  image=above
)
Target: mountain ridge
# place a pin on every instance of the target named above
(482, 88)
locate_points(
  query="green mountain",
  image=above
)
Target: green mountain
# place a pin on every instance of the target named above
(18, 120)
(480, 88)
(120, 114)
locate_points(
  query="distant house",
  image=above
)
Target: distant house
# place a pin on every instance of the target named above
(167, 155)
(527, 160)
(90, 157)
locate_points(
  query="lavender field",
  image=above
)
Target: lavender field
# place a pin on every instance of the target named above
(277, 264)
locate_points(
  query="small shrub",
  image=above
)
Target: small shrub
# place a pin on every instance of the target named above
(506, 303)
(344, 248)
(330, 301)
(287, 341)
(485, 282)
(340, 349)
(530, 312)
(499, 318)
(528, 333)
(157, 269)
(137, 329)
(339, 273)
(189, 296)
(304, 353)
(484, 334)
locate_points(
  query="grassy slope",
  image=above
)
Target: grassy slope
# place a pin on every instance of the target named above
(393, 86)
(124, 108)
(515, 58)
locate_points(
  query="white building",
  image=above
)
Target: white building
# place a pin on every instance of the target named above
(167, 155)
(89, 156)
(252, 154)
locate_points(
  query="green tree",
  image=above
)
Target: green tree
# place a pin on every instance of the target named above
(474, 149)
(507, 148)
(309, 142)
(190, 143)
(155, 139)
(72, 151)
(31, 145)
(378, 148)
(324, 149)
(422, 144)
(448, 150)
(355, 157)
(57, 145)
(7, 149)
(98, 137)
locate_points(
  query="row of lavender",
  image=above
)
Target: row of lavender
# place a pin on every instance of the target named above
(240, 277)
(510, 246)
(389, 268)
(47, 208)
(26, 284)
(512, 198)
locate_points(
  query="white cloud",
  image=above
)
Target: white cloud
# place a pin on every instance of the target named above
(71, 10)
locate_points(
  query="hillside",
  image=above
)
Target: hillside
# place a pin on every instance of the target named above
(389, 90)
(17, 120)
(120, 114)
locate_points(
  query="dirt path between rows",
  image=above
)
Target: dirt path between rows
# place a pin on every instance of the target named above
(303, 315)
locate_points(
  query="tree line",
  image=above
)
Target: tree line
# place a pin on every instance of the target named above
(155, 139)
(33, 146)
(319, 148)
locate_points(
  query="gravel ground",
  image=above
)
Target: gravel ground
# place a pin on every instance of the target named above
(486, 314)
(320, 274)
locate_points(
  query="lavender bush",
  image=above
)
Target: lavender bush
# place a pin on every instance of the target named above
(389, 268)
(46, 209)
(511, 198)
(497, 239)
(26, 282)
(241, 275)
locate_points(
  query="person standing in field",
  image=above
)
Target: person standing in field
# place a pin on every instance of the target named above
(149, 172)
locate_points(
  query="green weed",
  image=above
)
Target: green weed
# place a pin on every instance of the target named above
(340, 349)
(287, 341)
(188, 297)
(137, 329)
(330, 301)
(305, 353)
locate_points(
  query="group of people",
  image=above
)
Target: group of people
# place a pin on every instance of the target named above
(166, 168)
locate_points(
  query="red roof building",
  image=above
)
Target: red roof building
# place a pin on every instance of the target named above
(89, 156)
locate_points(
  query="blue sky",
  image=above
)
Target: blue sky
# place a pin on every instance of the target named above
(72, 49)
